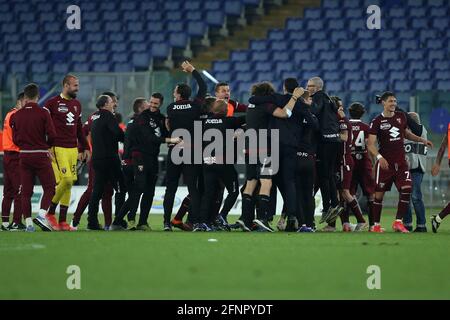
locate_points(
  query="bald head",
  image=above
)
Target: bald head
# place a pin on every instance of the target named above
(415, 116)
(314, 84)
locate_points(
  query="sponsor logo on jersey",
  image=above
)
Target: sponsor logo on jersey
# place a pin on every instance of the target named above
(394, 132)
(385, 126)
(95, 117)
(63, 109)
(70, 117)
(214, 121)
(182, 106)
(399, 120)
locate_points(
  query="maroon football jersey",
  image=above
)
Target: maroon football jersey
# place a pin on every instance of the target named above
(390, 133)
(66, 116)
(344, 124)
(360, 132)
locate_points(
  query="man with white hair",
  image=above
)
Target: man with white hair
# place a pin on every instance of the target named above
(328, 147)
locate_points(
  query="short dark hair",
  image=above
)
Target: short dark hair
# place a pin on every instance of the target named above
(184, 90)
(262, 89)
(102, 100)
(31, 91)
(118, 117)
(209, 101)
(110, 94)
(220, 84)
(356, 110)
(137, 104)
(67, 78)
(386, 95)
(290, 84)
(159, 96)
(20, 96)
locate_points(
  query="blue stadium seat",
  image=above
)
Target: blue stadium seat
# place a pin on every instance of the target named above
(37, 57)
(369, 55)
(318, 35)
(331, 4)
(390, 55)
(176, 26)
(357, 86)
(281, 56)
(196, 28)
(135, 26)
(40, 78)
(403, 85)
(378, 86)
(435, 44)
(259, 56)
(441, 65)
(353, 75)
(278, 45)
(276, 34)
(436, 55)
(149, 6)
(396, 65)
(419, 23)
(299, 36)
(61, 68)
(93, 26)
(333, 86)
(224, 76)
(358, 97)
(141, 60)
(160, 50)
(421, 75)
(400, 23)
(120, 57)
(262, 66)
(321, 45)
(386, 34)
(128, 6)
(178, 40)
(244, 76)
(377, 75)
(157, 37)
(152, 16)
(417, 65)
(351, 65)
(300, 46)
(397, 12)
(113, 27)
(242, 66)
(215, 18)
(100, 67)
(171, 16)
(95, 37)
(315, 25)
(233, 8)
(347, 45)
(264, 76)
(416, 55)
(336, 24)
(331, 65)
(80, 67)
(99, 57)
(312, 13)
(171, 6)
(346, 55)
(77, 47)
(109, 16)
(442, 75)
(398, 75)
(281, 67)
(239, 55)
(328, 55)
(338, 35)
(122, 67)
(212, 5)
(131, 16)
(438, 12)
(295, 24)
(41, 67)
(133, 37)
(258, 45)
(310, 65)
(418, 12)
(409, 45)
(98, 47)
(192, 6)
(332, 75)
(221, 66)
(424, 85)
(79, 57)
(300, 56)
(357, 24)
(407, 34)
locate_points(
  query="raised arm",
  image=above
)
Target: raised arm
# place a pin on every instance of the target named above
(411, 136)
(188, 67)
(286, 112)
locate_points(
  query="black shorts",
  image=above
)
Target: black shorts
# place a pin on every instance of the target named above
(260, 170)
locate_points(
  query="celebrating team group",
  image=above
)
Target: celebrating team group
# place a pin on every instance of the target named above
(316, 147)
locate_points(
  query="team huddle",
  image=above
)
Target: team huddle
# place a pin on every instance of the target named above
(296, 142)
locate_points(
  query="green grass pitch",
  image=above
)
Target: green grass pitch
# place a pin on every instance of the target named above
(181, 265)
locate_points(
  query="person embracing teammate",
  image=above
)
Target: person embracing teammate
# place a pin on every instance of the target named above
(65, 111)
(390, 129)
(11, 178)
(181, 117)
(34, 134)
